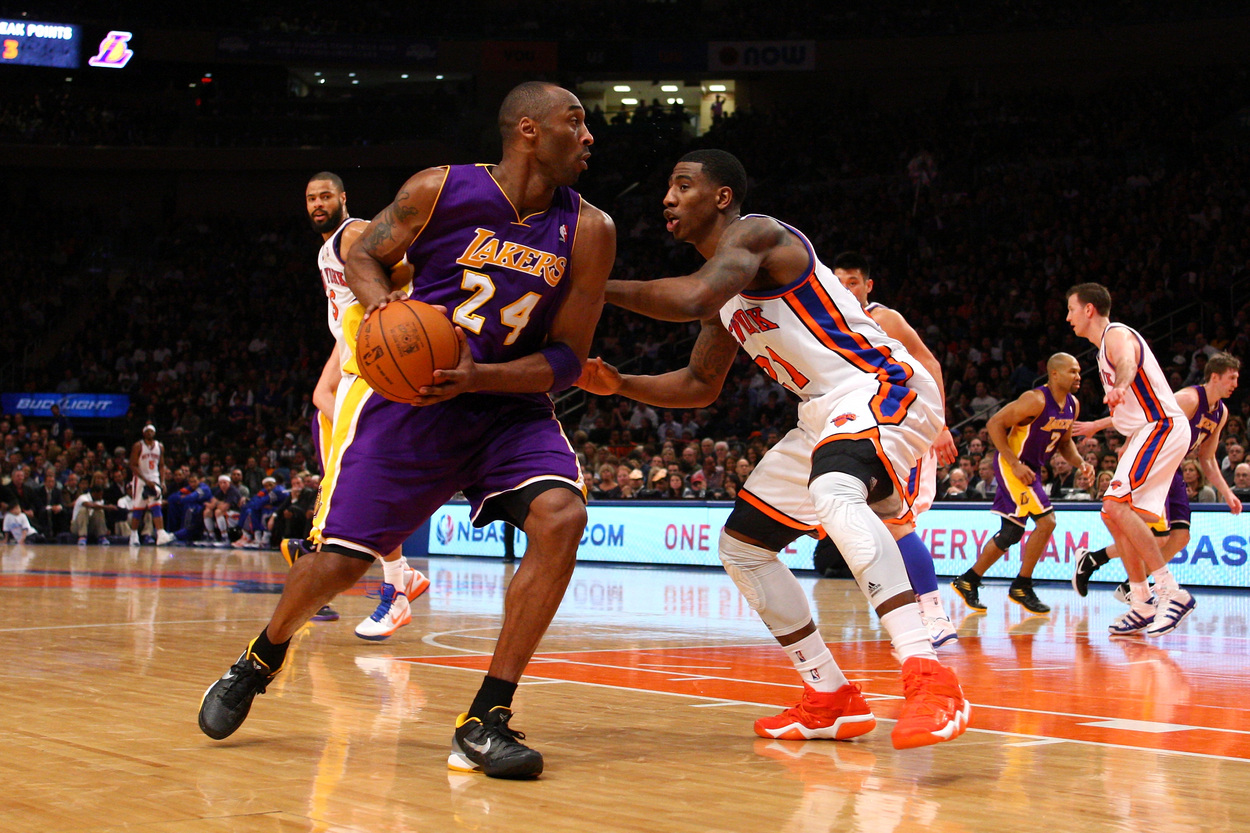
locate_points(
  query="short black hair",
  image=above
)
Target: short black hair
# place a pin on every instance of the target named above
(1093, 293)
(334, 179)
(852, 261)
(531, 98)
(724, 169)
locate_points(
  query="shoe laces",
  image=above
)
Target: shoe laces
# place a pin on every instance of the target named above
(499, 724)
(387, 595)
(249, 678)
(929, 690)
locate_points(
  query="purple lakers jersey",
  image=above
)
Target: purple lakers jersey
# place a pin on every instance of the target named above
(1035, 442)
(1206, 418)
(501, 276)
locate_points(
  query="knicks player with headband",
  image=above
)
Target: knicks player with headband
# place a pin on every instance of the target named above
(868, 412)
(326, 202)
(520, 261)
(147, 486)
(1145, 411)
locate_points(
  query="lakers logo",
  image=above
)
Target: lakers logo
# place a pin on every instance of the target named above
(114, 52)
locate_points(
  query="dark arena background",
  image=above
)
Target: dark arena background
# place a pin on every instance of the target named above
(982, 156)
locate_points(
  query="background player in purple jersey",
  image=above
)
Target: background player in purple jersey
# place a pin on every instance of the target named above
(1204, 406)
(520, 261)
(1026, 432)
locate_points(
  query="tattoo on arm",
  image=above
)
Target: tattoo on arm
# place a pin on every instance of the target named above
(712, 355)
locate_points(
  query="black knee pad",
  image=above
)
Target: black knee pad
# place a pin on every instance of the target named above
(857, 458)
(1009, 534)
(754, 524)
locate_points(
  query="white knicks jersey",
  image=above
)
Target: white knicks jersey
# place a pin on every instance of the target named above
(1149, 399)
(150, 461)
(338, 296)
(813, 338)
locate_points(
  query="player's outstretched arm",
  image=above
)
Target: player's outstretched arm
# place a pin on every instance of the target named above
(1026, 408)
(694, 386)
(328, 383)
(384, 241)
(1088, 429)
(738, 258)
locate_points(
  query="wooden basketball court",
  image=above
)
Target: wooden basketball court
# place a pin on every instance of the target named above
(641, 700)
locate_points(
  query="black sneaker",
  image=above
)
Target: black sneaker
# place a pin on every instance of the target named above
(326, 614)
(1086, 566)
(293, 548)
(226, 703)
(969, 592)
(1023, 595)
(491, 747)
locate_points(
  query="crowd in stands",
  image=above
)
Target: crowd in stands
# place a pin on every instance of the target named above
(215, 327)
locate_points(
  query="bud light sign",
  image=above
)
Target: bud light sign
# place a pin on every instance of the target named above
(109, 405)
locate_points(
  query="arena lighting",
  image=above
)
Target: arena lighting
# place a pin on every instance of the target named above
(621, 88)
(115, 51)
(668, 88)
(716, 88)
(404, 76)
(629, 101)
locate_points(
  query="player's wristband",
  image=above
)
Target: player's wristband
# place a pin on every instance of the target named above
(565, 366)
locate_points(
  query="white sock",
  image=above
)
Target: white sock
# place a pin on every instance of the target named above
(1139, 596)
(815, 664)
(221, 523)
(931, 605)
(908, 633)
(393, 572)
(1164, 580)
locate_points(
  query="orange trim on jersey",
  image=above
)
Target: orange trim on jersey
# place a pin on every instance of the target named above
(1146, 456)
(433, 206)
(776, 514)
(883, 393)
(1151, 516)
(874, 435)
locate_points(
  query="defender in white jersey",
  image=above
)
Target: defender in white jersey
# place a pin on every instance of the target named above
(869, 410)
(1143, 409)
(147, 484)
(326, 202)
(853, 271)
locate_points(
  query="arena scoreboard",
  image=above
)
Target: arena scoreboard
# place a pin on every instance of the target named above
(40, 44)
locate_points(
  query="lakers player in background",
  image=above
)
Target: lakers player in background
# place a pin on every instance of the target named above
(869, 411)
(326, 202)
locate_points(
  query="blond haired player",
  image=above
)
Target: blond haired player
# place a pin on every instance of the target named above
(1144, 410)
(868, 411)
(326, 202)
(852, 270)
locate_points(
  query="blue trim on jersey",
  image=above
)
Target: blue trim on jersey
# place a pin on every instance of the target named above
(887, 368)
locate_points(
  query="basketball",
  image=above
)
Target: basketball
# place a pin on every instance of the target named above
(400, 346)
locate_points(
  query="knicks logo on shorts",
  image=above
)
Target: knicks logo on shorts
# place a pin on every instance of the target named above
(842, 419)
(1115, 484)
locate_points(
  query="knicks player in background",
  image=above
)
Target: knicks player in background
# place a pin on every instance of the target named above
(147, 485)
(869, 411)
(1203, 406)
(852, 270)
(1026, 433)
(520, 261)
(1144, 410)
(326, 202)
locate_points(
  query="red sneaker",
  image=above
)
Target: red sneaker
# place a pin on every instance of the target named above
(837, 715)
(934, 709)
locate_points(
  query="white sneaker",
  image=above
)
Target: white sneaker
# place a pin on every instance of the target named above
(134, 537)
(164, 537)
(415, 583)
(1174, 605)
(392, 613)
(941, 630)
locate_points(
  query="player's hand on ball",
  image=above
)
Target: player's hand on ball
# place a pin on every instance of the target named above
(395, 295)
(599, 377)
(452, 382)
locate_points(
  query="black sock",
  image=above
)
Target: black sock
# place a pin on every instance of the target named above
(494, 692)
(1022, 581)
(1100, 556)
(971, 577)
(268, 653)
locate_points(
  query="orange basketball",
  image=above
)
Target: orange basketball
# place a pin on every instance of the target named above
(400, 346)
